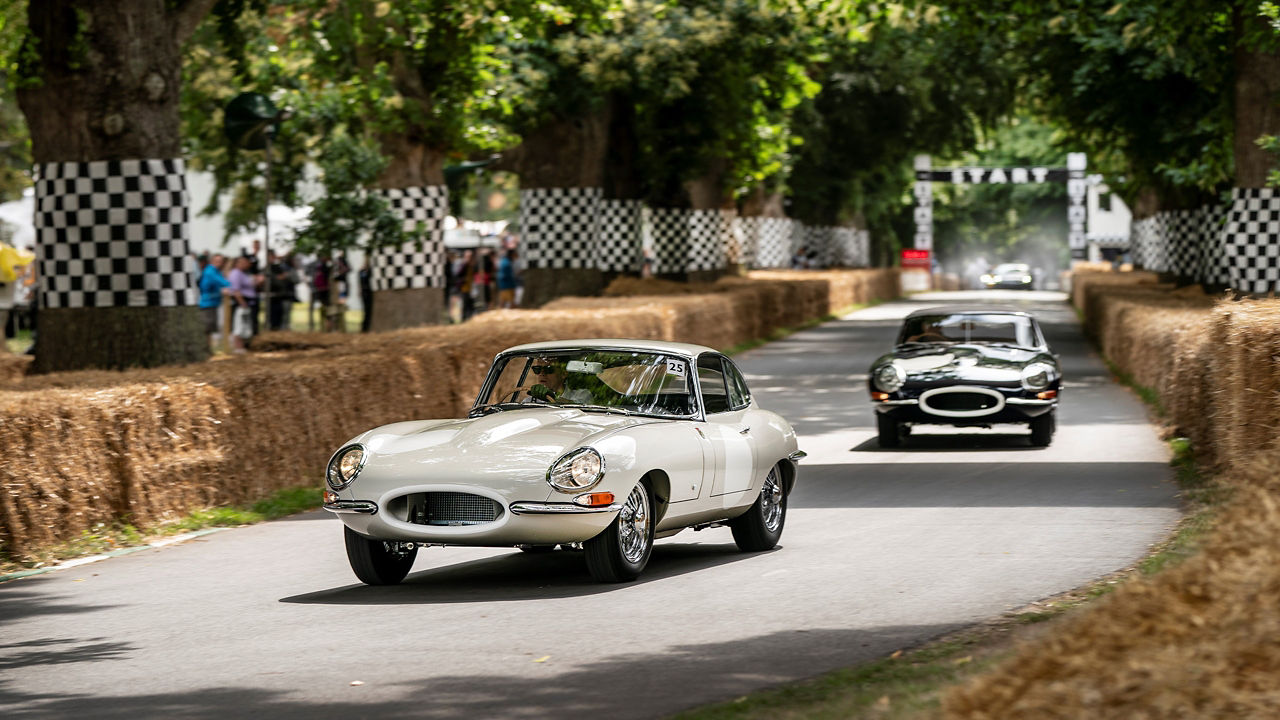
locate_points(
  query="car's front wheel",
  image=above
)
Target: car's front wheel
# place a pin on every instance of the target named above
(620, 552)
(1042, 429)
(378, 562)
(760, 527)
(888, 431)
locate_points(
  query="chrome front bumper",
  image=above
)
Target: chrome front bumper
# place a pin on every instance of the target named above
(550, 508)
(362, 507)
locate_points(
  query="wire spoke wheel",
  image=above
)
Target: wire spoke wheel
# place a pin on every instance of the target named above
(633, 525)
(771, 501)
(621, 551)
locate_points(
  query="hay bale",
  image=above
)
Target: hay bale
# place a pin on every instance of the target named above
(1199, 640)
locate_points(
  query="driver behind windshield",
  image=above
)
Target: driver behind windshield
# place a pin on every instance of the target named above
(549, 376)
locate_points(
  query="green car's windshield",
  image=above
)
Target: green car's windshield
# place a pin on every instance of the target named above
(603, 380)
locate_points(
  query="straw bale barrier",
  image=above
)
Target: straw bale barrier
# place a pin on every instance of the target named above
(1201, 639)
(146, 446)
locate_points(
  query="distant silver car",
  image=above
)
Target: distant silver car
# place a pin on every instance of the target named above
(1014, 276)
(602, 444)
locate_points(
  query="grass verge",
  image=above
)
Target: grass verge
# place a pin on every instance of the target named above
(104, 538)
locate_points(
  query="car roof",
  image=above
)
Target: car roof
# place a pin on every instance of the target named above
(671, 348)
(971, 310)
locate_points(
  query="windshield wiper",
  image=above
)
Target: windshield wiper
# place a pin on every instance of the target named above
(603, 408)
(485, 409)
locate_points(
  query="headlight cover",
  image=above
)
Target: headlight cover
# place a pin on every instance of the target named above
(889, 377)
(576, 471)
(1037, 376)
(345, 465)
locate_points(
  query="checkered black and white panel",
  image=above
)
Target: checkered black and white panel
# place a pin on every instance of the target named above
(774, 248)
(817, 244)
(1213, 258)
(706, 231)
(669, 230)
(620, 236)
(560, 227)
(1160, 256)
(1252, 239)
(1148, 235)
(747, 231)
(413, 265)
(113, 233)
(1183, 241)
(730, 238)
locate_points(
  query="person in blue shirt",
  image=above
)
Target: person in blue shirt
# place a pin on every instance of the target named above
(212, 287)
(507, 279)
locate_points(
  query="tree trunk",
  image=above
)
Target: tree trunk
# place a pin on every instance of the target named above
(1257, 112)
(420, 298)
(116, 290)
(561, 167)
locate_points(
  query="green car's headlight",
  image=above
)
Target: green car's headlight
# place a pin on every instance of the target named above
(576, 471)
(889, 377)
(345, 466)
(1037, 376)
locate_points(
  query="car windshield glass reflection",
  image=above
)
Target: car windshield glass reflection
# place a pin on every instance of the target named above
(968, 328)
(592, 380)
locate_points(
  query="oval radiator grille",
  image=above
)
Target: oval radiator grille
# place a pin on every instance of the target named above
(962, 402)
(452, 508)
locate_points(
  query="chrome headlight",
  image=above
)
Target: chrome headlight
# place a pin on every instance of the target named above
(345, 466)
(889, 377)
(1037, 376)
(576, 471)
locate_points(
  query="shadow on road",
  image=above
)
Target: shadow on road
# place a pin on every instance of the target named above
(20, 604)
(627, 685)
(522, 576)
(931, 484)
(963, 441)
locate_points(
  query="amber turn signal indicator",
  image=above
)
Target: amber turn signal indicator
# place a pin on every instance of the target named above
(330, 496)
(597, 499)
(879, 395)
(1047, 395)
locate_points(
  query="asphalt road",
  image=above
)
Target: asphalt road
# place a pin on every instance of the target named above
(882, 549)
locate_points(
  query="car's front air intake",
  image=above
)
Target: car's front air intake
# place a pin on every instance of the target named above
(452, 508)
(962, 401)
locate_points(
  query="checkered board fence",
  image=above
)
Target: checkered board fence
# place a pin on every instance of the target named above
(746, 231)
(113, 233)
(1183, 241)
(1150, 248)
(619, 248)
(560, 227)
(414, 266)
(819, 241)
(773, 248)
(686, 240)
(1213, 263)
(1252, 240)
(706, 240)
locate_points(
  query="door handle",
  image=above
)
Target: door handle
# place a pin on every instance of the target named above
(744, 431)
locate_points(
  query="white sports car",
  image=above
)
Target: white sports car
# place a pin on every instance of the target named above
(599, 444)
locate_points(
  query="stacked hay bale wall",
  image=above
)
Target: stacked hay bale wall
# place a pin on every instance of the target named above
(1201, 639)
(147, 446)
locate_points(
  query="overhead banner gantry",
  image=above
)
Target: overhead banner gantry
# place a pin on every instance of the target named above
(1073, 175)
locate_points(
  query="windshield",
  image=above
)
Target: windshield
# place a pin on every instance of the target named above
(603, 380)
(970, 328)
(1011, 269)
